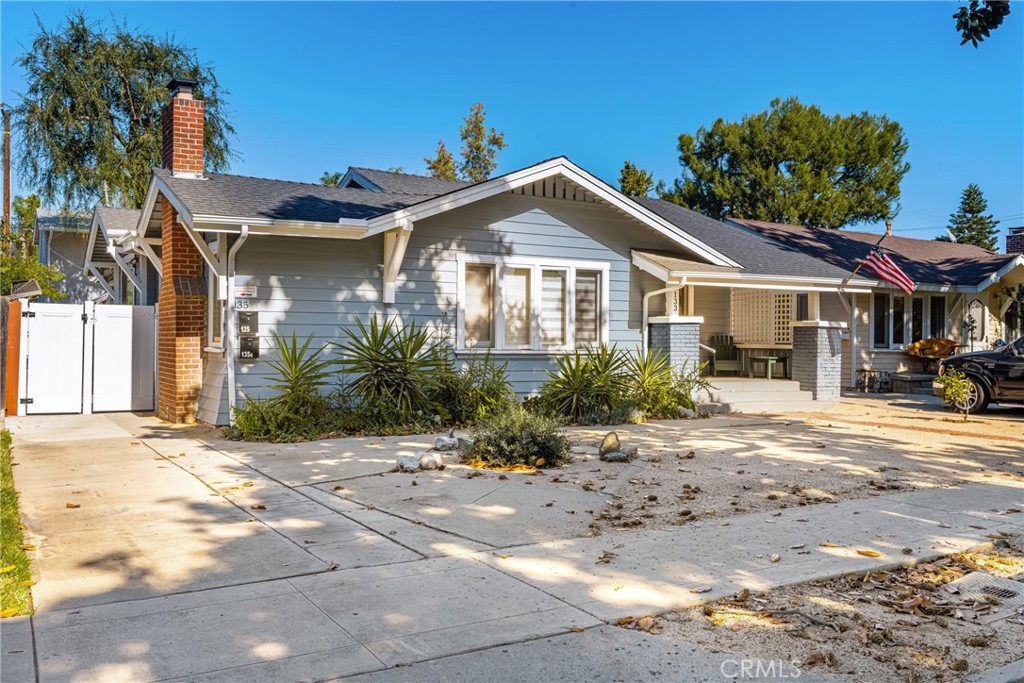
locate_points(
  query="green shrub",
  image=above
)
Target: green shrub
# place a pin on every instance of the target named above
(15, 596)
(689, 382)
(465, 395)
(586, 384)
(958, 388)
(516, 436)
(299, 410)
(651, 386)
(392, 367)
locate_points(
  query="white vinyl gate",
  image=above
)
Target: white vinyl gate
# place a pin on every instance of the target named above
(81, 358)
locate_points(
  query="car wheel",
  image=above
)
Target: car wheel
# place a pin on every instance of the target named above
(977, 399)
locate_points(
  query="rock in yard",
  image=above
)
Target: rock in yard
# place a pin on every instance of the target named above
(616, 456)
(408, 463)
(430, 461)
(686, 413)
(631, 451)
(446, 443)
(609, 444)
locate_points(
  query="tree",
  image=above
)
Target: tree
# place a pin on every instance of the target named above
(91, 113)
(969, 224)
(331, 179)
(635, 182)
(442, 166)
(19, 261)
(480, 148)
(793, 164)
(24, 210)
(977, 19)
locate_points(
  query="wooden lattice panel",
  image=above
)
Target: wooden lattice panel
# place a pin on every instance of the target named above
(761, 317)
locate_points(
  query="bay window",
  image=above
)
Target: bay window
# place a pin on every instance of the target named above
(531, 305)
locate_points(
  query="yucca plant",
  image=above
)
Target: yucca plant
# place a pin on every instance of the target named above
(650, 383)
(392, 366)
(586, 385)
(300, 373)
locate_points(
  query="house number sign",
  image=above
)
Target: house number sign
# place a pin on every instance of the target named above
(248, 329)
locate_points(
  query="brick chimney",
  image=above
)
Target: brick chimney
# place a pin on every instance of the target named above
(182, 324)
(1015, 240)
(183, 130)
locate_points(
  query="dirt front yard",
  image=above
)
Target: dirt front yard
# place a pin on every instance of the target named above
(711, 469)
(909, 624)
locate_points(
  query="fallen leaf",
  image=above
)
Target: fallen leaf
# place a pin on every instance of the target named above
(72, 506)
(247, 483)
(28, 583)
(8, 568)
(605, 558)
(869, 553)
(9, 612)
(625, 620)
(577, 630)
(27, 546)
(701, 589)
(501, 556)
(257, 507)
(798, 546)
(338, 488)
(828, 545)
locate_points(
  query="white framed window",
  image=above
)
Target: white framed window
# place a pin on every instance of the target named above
(897, 320)
(538, 305)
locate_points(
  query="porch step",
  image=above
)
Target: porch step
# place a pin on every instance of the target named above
(773, 407)
(738, 395)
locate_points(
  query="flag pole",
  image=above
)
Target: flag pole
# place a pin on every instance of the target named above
(861, 264)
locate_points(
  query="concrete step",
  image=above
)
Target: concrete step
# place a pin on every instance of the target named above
(742, 384)
(756, 407)
(731, 396)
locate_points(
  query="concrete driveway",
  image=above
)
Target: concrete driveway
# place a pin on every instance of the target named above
(183, 557)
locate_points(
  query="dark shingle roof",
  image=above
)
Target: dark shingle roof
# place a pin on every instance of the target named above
(756, 254)
(219, 194)
(408, 183)
(924, 261)
(118, 219)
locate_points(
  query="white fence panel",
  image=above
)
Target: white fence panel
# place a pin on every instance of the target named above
(53, 338)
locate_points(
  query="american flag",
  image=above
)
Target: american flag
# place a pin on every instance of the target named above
(883, 266)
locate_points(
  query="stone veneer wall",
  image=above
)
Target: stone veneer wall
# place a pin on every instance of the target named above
(677, 339)
(817, 359)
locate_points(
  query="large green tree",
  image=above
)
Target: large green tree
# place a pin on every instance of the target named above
(480, 147)
(331, 179)
(19, 257)
(977, 19)
(91, 113)
(793, 164)
(969, 224)
(635, 182)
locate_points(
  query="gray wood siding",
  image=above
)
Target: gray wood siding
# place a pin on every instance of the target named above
(318, 287)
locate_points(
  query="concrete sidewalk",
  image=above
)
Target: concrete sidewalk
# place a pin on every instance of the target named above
(185, 563)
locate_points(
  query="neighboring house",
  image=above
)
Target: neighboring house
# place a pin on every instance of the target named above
(528, 265)
(61, 238)
(125, 277)
(962, 292)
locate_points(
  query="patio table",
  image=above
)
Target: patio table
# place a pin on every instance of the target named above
(768, 361)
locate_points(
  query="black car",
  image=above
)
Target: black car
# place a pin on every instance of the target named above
(996, 376)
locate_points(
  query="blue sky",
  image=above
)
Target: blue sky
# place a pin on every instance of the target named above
(320, 86)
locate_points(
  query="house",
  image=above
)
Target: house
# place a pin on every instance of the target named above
(125, 277)
(528, 265)
(962, 292)
(61, 238)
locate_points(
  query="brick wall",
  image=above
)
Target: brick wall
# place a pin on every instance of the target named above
(680, 341)
(182, 324)
(182, 123)
(1015, 241)
(816, 362)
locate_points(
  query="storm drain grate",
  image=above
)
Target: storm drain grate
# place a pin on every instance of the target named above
(980, 587)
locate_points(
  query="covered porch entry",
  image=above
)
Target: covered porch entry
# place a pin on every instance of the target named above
(770, 343)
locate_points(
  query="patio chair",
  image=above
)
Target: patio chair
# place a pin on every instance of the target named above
(726, 357)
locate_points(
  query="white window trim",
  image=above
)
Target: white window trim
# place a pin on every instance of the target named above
(213, 344)
(535, 265)
(908, 319)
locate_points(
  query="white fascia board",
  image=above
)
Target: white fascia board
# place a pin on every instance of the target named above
(651, 268)
(147, 207)
(558, 166)
(364, 182)
(157, 187)
(346, 229)
(753, 280)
